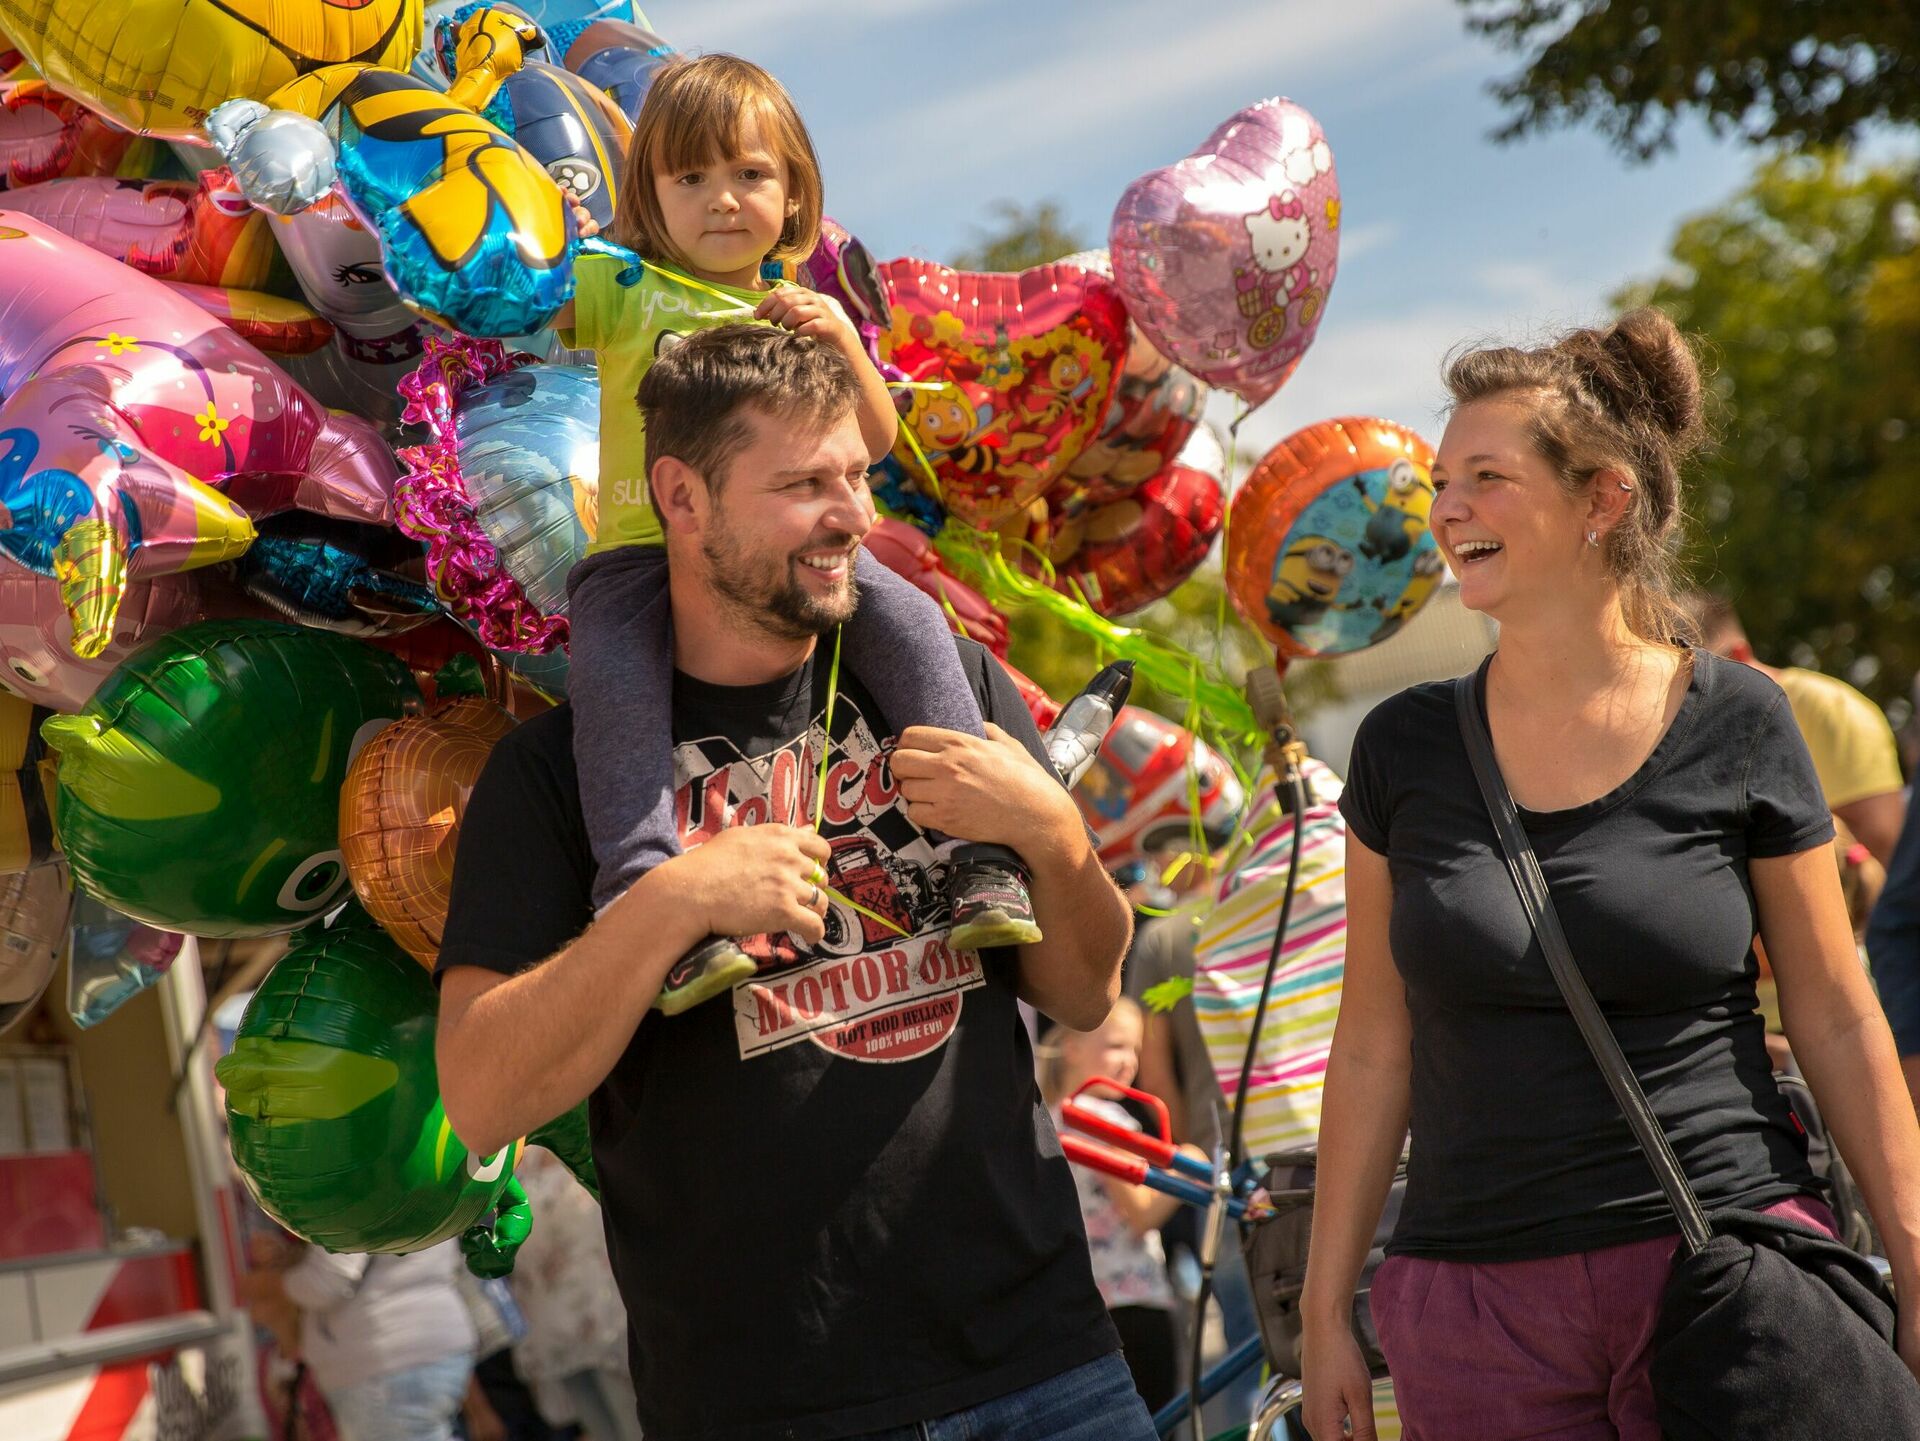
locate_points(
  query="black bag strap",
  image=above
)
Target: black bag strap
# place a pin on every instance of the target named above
(1537, 900)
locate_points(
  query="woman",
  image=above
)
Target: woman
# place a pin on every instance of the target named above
(1675, 811)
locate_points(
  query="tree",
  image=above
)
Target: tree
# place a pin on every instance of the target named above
(1806, 290)
(1020, 238)
(1807, 72)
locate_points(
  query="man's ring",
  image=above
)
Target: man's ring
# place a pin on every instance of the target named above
(813, 897)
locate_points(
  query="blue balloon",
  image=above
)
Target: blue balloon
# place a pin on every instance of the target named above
(530, 455)
(112, 959)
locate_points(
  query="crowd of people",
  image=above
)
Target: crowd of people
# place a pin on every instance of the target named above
(854, 1219)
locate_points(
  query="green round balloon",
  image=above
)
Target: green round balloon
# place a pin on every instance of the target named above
(200, 787)
(333, 1106)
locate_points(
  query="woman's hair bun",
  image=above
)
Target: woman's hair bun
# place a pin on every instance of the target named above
(1643, 370)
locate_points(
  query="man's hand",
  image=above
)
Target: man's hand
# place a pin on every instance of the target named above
(750, 880)
(807, 312)
(991, 790)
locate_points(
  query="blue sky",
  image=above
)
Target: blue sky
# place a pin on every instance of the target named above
(925, 112)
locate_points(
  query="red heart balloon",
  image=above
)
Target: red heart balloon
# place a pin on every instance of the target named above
(1135, 550)
(1025, 366)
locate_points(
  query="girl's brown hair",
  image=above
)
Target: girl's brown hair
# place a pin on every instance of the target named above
(695, 113)
(1625, 398)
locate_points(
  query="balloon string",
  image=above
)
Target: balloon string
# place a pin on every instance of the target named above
(820, 790)
(1167, 664)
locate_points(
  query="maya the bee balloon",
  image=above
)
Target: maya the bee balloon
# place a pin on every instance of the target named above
(1328, 549)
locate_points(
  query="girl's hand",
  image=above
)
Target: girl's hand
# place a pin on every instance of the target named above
(807, 312)
(583, 221)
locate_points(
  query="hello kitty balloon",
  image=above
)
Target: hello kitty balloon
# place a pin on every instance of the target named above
(1225, 259)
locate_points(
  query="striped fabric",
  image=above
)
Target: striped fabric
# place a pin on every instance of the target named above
(1283, 1097)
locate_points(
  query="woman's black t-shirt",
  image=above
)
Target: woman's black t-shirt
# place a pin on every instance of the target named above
(1518, 1149)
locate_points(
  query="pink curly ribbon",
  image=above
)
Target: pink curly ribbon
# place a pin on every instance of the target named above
(431, 502)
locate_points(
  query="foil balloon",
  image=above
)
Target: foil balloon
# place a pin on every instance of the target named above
(335, 258)
(26, 821)
(34, 906)
(112, 958)
(474, 234)
(37, 659)
(845, 270)
(356, 579)
(505, 493)
(272, 324)
(45, 135)
(565, 121)
(123, 404)
(1226, 258)
(1133, 551)
(906, 550)
(195, 232)
(400, 813)
(1155, 408)
(333, 1104)
(156, 67)
(1025, 367)
(199, 788)
(619, 57)
(1328, 548)
(1138, 797)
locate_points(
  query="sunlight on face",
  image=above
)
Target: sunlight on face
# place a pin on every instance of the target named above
(783, 528)
(1507, 527)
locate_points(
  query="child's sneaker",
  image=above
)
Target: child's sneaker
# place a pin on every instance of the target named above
(990, 903)
(713, 966)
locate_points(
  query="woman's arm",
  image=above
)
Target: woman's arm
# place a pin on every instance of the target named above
(1840, 1038)
(1363, 1126)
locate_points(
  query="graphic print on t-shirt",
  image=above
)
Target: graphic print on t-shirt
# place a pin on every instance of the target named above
(867, 991)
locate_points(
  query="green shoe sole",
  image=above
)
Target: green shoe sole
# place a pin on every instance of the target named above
(722, 977)
(990, 928)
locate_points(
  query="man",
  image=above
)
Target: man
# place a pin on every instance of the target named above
(1854, 752)
(833, 1204)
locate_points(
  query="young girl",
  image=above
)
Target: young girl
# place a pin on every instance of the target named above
(720, 185)
(1123, 1220)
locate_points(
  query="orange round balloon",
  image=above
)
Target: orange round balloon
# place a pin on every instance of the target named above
(400, 815)
(1328, 548)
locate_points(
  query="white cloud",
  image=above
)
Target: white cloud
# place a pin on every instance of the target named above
(1242, 54)
(755, 27)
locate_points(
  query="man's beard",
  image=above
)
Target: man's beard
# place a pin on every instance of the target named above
(768, 592)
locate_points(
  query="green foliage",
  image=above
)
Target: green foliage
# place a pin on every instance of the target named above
(1808, 72)
(1806, 290)
(1020, 237)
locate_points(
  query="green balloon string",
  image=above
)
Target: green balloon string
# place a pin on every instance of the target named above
(568, 1138)
(980, 559)
(490, 1249)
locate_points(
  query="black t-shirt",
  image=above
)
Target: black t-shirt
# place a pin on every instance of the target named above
(1518, 1149)
(834, 1201)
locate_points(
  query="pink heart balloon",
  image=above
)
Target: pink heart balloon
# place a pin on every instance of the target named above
(1225, 259)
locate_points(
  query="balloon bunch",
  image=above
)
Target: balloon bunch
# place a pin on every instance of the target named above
(291, 492)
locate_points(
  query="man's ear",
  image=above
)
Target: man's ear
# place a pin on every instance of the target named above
(679, 494)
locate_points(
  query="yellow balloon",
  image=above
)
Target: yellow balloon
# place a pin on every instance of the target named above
(158, 66)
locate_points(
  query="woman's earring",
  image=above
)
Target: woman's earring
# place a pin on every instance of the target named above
(1593, 538)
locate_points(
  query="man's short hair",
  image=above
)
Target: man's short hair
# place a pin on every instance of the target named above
(695, 396)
